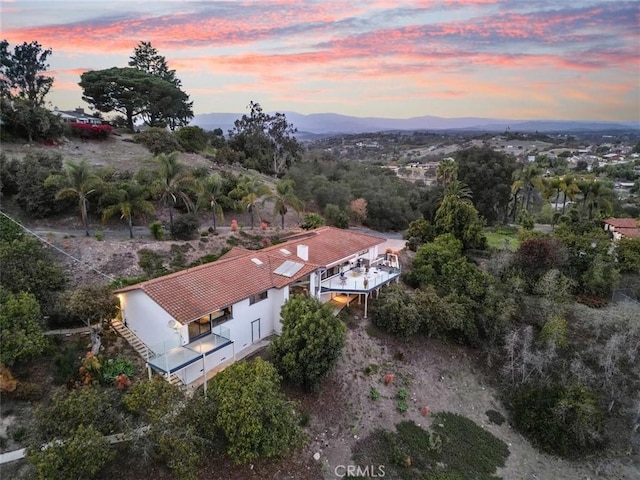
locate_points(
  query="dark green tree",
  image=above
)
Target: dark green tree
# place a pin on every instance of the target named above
(34, 196)
(256, 418)
(311, 342)
(267, 141)
(146, 58)
(396, 312)
(460, 218)
(21, 334)
(82, 454)
(28, 267)
(135, 93)
(22, 72)
(488, 174)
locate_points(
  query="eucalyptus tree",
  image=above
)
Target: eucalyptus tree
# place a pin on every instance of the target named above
(267, 141)
(132, 200)
(249, 191)
(77, 180)
(174, 183)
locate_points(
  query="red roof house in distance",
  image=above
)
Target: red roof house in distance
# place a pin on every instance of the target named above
(622, 227)
(197, 321)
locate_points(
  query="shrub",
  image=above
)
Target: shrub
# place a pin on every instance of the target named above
(152, 263)
(157, 230)
(374, 394)
(192, 139)
(158, 140)
(396, 312)
(90, 131)
(99, 236)
(185, 227)
(560, 420)
(296, 358)
(311, 221)
(495, 417)
(81, 455)
(253, 413)
(113, 368)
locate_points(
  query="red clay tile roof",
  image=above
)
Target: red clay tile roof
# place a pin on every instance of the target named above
(622, 222)
(189, 294)
(628, 232)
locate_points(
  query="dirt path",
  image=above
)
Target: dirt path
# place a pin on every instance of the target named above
(436, 376)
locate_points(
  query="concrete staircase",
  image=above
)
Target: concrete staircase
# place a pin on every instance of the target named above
(139, 346)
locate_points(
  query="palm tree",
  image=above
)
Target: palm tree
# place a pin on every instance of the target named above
(595, 195)
(283, 198)
(455, 188)
(249, 191)
(132, 201)
(569, 189)
(446, 172)
(211, 195)
(531, 181)
(174, 183)
(78, 180)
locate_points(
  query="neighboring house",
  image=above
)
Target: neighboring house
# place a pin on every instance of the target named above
(622, 227)
(200, 319)
(77, 116)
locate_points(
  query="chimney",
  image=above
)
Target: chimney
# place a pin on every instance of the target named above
(303, 252)
(80, 110)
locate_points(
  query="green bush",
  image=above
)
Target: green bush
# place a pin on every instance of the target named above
(561, 420)
(396, 312)
(112, 368)
(185, 227)
(311, 221)
(157, 230)
(192, 139)
(152, 263)
(374, 394)
(158, 140)
(495, 417)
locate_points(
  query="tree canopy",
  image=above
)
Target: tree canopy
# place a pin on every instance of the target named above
(21, 72)
(136, 93)
(311, 342)
(253, 413)
(267, 141)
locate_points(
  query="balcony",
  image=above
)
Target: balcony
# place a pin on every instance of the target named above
(354, 281)
(169, 357)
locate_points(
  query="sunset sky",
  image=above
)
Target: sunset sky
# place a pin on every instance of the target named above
(543, 59)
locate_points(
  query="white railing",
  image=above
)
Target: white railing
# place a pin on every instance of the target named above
(354, 281)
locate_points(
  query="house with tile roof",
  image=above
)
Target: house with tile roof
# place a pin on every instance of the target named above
(198, 320)
(622, 227)
(77, 116)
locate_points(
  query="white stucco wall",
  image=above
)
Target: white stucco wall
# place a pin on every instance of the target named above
(280, 296)
(144, 317)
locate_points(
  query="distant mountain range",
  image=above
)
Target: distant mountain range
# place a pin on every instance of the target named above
(333, 123)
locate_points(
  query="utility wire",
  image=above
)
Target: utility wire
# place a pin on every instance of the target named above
(44, 240)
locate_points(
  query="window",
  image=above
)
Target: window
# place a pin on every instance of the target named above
(199, 328)
(221, 316)
(257, 298)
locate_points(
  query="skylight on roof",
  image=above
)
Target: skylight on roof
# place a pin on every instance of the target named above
(257, 261)
(284, 251)
(288, 268)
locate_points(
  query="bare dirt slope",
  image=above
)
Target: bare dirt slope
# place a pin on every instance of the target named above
(439, 377)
